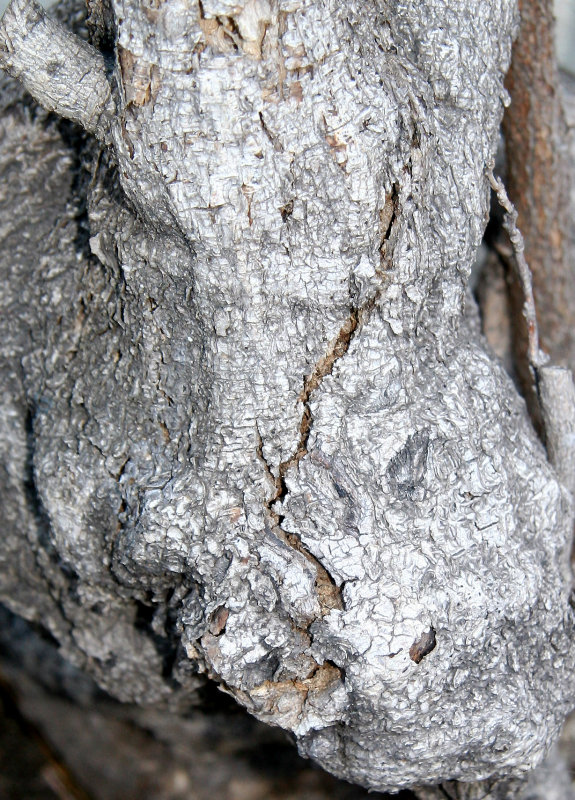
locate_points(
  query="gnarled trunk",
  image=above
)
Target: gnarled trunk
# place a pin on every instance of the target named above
(252, 430)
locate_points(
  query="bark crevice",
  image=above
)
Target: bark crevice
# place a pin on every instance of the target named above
(329, 593)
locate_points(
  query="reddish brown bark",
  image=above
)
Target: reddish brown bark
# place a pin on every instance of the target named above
(538, 176)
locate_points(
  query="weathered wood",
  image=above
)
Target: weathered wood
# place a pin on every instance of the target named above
(252, 431)
(557, 396)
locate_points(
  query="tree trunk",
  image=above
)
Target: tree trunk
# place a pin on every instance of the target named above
(251, 431)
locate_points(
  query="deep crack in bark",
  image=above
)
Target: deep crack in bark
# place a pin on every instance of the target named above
(329, 593)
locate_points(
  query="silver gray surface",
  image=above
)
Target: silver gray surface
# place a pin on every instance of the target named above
(253, 430)
(564, 10)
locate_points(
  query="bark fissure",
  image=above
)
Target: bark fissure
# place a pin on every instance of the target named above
(329, 594)
(387, 219)
(321, 677)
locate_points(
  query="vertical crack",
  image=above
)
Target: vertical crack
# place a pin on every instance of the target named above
(329, 594)
(387, 219)
(339, 348)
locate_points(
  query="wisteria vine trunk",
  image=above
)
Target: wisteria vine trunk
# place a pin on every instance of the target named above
(251, 431)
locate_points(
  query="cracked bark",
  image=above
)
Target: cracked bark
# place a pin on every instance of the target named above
(376, 560)
(328, 592)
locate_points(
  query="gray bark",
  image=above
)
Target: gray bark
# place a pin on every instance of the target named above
(250, 429)
(63, 73)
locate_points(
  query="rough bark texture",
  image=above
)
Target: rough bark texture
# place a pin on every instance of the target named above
(94, 748)
(250, 428)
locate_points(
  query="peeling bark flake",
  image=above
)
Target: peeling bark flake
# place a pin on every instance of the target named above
(423, 646)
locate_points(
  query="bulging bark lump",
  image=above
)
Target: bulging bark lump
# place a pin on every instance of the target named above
(251, 430)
